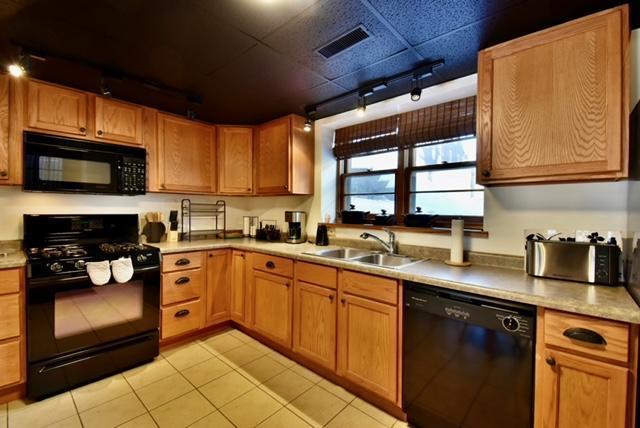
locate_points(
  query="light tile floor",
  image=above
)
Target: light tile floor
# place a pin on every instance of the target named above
(224, 380)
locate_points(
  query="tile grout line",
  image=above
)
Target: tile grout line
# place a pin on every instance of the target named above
(73, 400)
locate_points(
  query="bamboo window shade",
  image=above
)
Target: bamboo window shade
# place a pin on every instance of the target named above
(440, 123)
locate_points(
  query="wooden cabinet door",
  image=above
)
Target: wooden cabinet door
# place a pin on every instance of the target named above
(238, 285)
(272, 307)
(4, 128)
(368, 345)
(551, 105)
(578, 392)
(117, 121)
(235, 160)
(314, 323)
(186, 155)
(273, 157)
(218, 291)
(57, 109)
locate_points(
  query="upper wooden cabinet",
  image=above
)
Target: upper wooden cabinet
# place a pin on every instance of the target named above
(284, 156)
(57, 109)
(235, 160)
(553, 105)
(117, 121)
(4, 129)
(186, 155)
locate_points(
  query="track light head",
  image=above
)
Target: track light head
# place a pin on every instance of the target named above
(16, 70)
(362, 106)
(415, 93)
(308, 125)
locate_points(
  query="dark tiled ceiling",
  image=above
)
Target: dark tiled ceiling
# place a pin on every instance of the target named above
(253, 60)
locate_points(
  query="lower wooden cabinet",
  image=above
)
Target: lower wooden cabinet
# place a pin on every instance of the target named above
(181, 318)
(368, 344)
(272, 307)
(314, 323)
(238, 285)
(10, 361)
(218, 291)
(581, 392)
(12, 328)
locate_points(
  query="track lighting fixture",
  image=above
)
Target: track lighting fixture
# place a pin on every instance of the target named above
(362, 106)
(416, 91)
(16, 70)
(308, 125)
(105, 88)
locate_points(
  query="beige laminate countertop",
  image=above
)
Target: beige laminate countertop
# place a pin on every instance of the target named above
(12, 259)
(613, 303)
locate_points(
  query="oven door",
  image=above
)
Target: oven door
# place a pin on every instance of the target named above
(70, 168)
(71, 315)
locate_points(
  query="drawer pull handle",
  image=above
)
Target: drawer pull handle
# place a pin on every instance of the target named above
(182, 280)
(270, 265)
(585, 335)
(183, 262)
(551, 361)
(182, 313)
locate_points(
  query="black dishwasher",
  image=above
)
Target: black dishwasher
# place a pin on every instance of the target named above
(468, 360)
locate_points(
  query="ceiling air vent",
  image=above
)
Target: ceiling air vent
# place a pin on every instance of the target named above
(344, 42)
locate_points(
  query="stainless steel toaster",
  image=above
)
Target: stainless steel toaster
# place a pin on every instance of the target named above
(574, 261)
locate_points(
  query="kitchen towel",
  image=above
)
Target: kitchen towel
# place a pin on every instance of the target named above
(122, 269)
(99, 272)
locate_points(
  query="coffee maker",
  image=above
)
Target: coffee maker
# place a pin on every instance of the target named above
(297, 225)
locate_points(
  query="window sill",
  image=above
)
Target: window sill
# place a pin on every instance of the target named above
(435, 230)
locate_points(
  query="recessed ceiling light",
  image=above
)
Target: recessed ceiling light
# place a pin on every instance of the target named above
(16, 70)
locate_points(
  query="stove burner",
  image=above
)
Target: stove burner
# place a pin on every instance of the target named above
(75, 252)
(50, 252)
(125, 247)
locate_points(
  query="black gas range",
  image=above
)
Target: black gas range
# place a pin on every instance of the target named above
(78, 332)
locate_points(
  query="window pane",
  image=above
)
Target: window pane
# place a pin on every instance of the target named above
(454, 203)
(377, 162)
(457, 151)
(444, 179)
(371, 203)
(383, 183)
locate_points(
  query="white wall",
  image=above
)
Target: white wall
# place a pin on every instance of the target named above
(509, 210)
(14, 203)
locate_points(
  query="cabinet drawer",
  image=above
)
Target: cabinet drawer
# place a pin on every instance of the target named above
(560, 326)
(180, 286)
(181, 318)
(9, 316)
(9, 281)
(181, 261)
(317, 274)
(370, 286)
(273, 264)
(10, 362)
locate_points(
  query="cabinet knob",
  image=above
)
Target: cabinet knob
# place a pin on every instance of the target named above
(285, 187)
(210, 256)
(99, 132)
(551, 361)
(270, 265)
(4, 173)
(343, 301)
(486, 173)
(83, 129)
(331, 297)
(242, 255)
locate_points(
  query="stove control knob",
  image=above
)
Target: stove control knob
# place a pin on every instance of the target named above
(56, 267)
(80, 264)
(141, 258)
(510, 323)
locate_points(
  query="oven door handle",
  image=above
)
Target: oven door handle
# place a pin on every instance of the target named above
(40, 283)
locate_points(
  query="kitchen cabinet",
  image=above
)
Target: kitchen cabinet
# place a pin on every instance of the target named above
(12, 327)
(186, 155)
(368, 326)
(53, 108)
(284, 157)
(553, 105)
(5, 155)
(235, 160)
(585, 380)
(117, 121)
(272, 306)
(218, 290)
(238, 285)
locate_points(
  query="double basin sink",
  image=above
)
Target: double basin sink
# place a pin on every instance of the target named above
(375, 258)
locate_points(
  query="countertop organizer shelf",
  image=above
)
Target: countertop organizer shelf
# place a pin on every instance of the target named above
(215, 213)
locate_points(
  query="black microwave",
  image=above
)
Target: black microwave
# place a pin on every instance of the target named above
(59, 164)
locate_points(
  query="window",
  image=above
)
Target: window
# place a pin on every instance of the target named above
(422, 160)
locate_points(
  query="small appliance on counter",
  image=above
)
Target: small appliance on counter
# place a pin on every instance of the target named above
(595, 262)
(297, 224)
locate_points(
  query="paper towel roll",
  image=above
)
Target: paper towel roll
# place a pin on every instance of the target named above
(457, 241)
(246, 222)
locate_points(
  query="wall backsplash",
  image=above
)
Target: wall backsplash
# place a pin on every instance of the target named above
(15, 203)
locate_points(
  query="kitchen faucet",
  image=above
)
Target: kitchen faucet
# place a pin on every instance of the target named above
(389, 246)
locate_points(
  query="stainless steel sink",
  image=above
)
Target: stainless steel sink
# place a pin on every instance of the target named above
(393, 261)
(342, 253)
